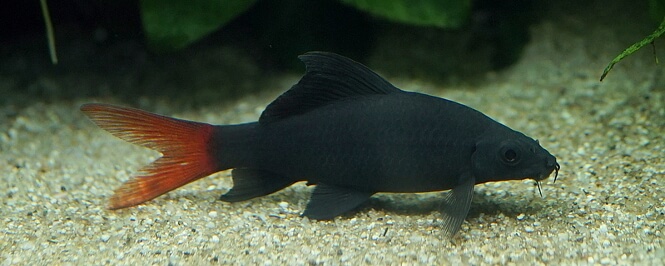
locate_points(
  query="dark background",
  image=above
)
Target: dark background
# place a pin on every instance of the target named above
(102, 51)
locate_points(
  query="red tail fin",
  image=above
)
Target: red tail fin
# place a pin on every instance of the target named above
(184, 145)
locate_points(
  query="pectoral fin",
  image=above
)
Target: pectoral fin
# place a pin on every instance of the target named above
(328, 201)
(456, 205)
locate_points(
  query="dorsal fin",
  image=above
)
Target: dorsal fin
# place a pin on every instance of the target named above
(329, 77)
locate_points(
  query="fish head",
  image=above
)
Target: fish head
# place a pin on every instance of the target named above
(512, 157)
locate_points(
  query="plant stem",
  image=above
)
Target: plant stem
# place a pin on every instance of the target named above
(49, 32)
(636, 46)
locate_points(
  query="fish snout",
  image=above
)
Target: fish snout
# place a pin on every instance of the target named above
(552, 166)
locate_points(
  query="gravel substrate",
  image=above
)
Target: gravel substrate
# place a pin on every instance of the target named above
(607, 207)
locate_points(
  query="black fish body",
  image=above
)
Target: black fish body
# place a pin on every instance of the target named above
(400, 142)
(342, 128)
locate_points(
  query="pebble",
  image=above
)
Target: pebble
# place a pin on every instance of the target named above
(28, 246)
(520, 216)
(563, 237)
(606, 243)
(284, 206)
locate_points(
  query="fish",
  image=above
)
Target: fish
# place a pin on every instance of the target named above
(343, 129)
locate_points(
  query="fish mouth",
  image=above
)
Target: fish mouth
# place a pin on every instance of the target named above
(556, 167)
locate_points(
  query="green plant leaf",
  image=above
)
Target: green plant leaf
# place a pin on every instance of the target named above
(440, 13)
(636, 46)
(173, 24)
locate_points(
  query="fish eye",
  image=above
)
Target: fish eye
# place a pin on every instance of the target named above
(510, 155)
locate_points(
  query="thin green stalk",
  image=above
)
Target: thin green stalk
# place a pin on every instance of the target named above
(648, 40)
(49, 32)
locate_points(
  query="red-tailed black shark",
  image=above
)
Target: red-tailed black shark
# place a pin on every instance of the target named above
(342, 128)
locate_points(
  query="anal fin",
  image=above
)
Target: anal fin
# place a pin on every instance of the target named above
(456, 205)
(252, 183)
(329, 201)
